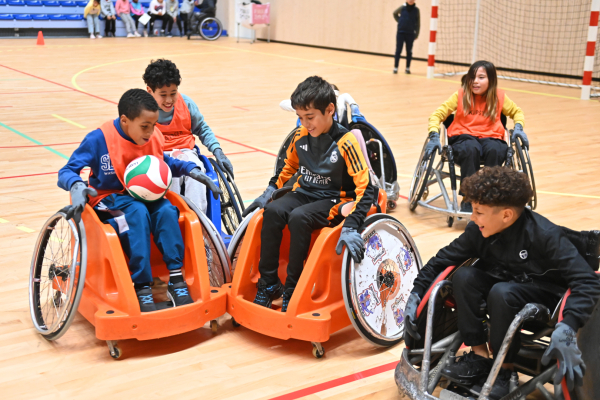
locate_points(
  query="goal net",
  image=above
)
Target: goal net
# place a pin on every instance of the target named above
(528, 40)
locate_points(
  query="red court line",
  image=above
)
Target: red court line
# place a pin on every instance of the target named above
(247, 146)
(241, 108)
(38, 145)
(40, 91)
(23, 176)
(337, 382)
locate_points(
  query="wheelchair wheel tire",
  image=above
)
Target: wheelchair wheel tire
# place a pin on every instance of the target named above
(210, 28)
(420, 178)
(523, 164)
(232, 204)
(283, 150)
(235, 244)
(376, 290)
(57, 275)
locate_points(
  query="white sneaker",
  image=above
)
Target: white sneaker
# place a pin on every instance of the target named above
(92, 36)
(145, 34)
(130, 35)
(98, 36)
(136, 34)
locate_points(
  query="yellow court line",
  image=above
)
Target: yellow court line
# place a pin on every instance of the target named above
(68, 121)
(74, 78)
(586, 196)
(517, 90)
(25, 229)
(3, 221)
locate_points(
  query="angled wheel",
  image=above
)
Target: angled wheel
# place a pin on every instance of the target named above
(216, 252)
(210, 28)
(420, 178)
(280, 161)
(522, 163)
(376, 290)
(232, 204)
(235, 245)
(57, 275)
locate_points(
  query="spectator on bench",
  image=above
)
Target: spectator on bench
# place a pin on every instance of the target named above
(137, 10)
(110, 17)
(91, 12)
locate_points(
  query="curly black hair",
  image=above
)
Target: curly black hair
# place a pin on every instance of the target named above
(134, 101)
(498, 186)
(161, 73)
(313, 92)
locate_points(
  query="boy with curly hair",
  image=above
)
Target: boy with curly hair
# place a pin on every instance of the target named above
(522, 258)
(179, 119)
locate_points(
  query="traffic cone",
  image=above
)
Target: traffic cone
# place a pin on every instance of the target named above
(40, 40)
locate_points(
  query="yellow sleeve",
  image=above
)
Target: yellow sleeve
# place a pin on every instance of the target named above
(88, 8)
(512, 110)
(443, 111)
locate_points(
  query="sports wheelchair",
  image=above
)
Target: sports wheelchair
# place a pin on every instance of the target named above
(333, 292)
(205, 24)
(378, 153)
(82, 267)
(426, 174)
(418, 374)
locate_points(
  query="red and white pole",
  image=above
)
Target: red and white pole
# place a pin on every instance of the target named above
(588, 66)
(433, 23)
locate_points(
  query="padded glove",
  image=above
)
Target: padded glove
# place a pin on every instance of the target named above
(224, 162)
(433, 144)
(410, 317)
(201, 177)
(260, 202)
(563, 347)
(79, 197)
(354, 243)
(518, 132)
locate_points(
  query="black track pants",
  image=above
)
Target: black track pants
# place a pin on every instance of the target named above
(474, 289)
(401, 38)
(302, 216)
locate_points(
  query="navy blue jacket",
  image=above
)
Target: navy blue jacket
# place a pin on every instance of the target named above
(408, 18)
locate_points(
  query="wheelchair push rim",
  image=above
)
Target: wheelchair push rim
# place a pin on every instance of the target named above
(281, 154)
(210, 28)
(57, 275)
(376, 290)
(232, 204)
(522, 163)
(235, 245)
(420, 177)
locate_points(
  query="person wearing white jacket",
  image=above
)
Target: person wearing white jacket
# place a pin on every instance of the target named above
(157, 11)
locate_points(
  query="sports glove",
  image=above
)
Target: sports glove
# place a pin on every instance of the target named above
(79, 197)
(260, 202)
(410, 317)
(201, 177)
(224, 162)
(563, 347)
(433, 144)
(354, 243)
(518, 132)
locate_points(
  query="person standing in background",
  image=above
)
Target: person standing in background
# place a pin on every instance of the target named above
(186, 9)
(409, 24)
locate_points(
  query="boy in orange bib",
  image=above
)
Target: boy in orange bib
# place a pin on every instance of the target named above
(108, 151)
(477, 130)
(179, 120)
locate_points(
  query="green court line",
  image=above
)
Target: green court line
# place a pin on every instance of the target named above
(58, 153)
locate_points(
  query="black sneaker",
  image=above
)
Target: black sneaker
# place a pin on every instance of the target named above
(465, 206)
(468, 369)
(407, 71)
(179, 294)
(266, 294)
(145, 298)
(501, 387)
(287, 296)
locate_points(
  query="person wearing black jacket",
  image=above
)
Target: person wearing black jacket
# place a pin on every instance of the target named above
(522, 258)
(409, 24)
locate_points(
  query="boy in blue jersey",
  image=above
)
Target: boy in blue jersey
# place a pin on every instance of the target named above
(107, 151)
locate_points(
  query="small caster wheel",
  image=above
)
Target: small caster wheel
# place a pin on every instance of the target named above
(450, 221)
(235, 323)
(214, 326)
(318, 351)
(425, 194)
(114, 350)
(391, 205)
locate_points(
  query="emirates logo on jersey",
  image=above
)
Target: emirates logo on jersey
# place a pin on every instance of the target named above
(334, 157)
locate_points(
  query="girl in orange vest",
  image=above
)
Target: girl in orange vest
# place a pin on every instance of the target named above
(477, 132)
(180, 120)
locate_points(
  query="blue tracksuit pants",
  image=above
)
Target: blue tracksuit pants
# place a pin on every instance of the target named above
(134, 221)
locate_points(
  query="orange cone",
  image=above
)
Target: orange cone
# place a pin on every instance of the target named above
(40, 40)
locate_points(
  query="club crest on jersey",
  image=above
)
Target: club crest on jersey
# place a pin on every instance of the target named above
(375, 249)
(368, 300)
(523, 254)
(398, 309)
(106, 165)
(403, 258)
(334, 157)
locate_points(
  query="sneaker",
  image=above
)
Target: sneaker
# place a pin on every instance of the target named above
(156, 32)
(145, 298)
(395, 70)
(145, 34)
(98, 36)
(92, 36)
(169, 35)
(179, 294)
(136, 34)
(266, 294)
(465, 206)
(130, 35)
(287, 296)
(468, 369)
(407, 71)
(501, 387)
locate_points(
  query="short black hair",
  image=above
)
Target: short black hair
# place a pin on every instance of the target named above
(314, 92)
(161, 73)
(498, 186)
(134, 101)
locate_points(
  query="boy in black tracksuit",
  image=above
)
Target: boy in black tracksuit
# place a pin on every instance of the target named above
(409, 24)
(523, 258)
(332, 172)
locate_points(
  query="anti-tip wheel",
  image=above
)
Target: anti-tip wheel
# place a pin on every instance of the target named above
(391, 205)
(214, 326)
(235, 323)
(114, 350)
(318, 350)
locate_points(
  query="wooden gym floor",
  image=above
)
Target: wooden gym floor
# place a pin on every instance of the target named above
(52, 95)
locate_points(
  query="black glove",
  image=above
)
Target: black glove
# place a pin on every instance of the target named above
(79, 198)
(224, 162)
(563, 347)
(354, 243)
(433, 144)
(260, 202)
(201, 177)
(518, 132)
(410, 317)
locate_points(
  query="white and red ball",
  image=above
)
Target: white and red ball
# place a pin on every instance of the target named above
(147, 178)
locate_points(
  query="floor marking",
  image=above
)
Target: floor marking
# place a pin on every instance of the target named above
(25, 229)
(247, 146)
(55, 239)
(38, 145)
(518, 90)
(38, 91)
(337, 382)
(26, 176)
(68, 121)
(3, 221)
(58, 153)
(241, 108)
(587, 196)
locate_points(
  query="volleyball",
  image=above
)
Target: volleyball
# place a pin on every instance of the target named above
(147, 178)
